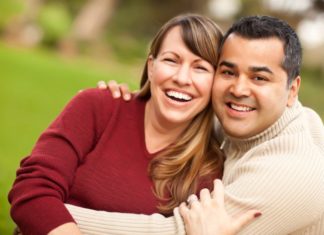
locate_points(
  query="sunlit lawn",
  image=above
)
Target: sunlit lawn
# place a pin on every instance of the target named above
(35, 85)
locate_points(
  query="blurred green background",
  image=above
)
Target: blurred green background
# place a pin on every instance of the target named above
(49, 50)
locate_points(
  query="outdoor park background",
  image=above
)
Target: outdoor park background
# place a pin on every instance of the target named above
(51, 49)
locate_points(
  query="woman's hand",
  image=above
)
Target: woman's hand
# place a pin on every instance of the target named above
(117, 90)
(209, 217)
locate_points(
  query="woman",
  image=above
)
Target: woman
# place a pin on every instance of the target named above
(97, 151)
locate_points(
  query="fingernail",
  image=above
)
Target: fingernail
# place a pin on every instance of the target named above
(258, 214)
(116, 94)
(127, 97)
(218, 181)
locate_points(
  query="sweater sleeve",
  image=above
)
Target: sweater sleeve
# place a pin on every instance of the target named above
(286, 186)
(44, 178)
(102, 222)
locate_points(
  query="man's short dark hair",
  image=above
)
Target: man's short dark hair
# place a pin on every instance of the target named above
(259, 27)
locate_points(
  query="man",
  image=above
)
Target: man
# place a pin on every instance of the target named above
(274, 145)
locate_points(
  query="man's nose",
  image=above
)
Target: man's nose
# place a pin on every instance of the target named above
(241, 87)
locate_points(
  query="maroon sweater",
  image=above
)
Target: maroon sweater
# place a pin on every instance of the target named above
(93, 155)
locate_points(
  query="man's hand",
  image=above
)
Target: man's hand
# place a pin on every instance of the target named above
(117, 90)
(208, 216)
(68, 228)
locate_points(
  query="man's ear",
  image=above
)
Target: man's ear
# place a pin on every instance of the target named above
(150, 62)
(293, 91)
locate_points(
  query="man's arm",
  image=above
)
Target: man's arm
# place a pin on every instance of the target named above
(68, 228)
(101, 222)
(289, 192)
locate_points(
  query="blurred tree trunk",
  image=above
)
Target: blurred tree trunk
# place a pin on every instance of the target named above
(23, 29)
(92, 19)
(89, 24)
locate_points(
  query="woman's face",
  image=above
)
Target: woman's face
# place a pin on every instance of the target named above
(181, 81)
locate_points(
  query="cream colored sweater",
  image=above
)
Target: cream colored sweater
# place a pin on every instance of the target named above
(280, 172)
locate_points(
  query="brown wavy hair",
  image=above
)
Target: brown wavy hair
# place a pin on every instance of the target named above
(179, 170)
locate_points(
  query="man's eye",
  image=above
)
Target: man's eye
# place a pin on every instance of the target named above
(227, 72)
(258, 78)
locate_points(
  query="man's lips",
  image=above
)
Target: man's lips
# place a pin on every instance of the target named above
(240, 107)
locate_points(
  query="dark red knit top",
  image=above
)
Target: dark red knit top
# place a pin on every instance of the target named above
(93, 155)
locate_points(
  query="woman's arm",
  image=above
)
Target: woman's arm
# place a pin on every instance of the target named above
(45, 177)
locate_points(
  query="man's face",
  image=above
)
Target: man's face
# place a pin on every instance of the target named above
(250, 88)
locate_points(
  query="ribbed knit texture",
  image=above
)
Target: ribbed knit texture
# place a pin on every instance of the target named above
(93, 155)
(93, 222)
(280, 172)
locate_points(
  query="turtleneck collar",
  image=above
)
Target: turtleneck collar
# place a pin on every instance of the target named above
(289, 114)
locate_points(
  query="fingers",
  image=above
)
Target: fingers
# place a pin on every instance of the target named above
(125, 91)
(209, 216)
(186, 216)
(102, 85)
(245, 219)
(205, 196)
(184, 210)
(218, 192)
(117, 90)
(114, 88)
(193, 201)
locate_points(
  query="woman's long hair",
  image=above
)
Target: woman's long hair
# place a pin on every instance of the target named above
(178, 170)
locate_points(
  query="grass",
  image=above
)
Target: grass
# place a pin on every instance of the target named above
(34, 87)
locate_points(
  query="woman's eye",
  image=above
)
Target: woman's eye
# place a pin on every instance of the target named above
(202, 68)
(169, 60)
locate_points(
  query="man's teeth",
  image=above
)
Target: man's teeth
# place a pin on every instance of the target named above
(179, 95)
(240, 108)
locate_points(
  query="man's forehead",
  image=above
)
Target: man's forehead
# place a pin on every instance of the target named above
(257, 51)
(240, 41)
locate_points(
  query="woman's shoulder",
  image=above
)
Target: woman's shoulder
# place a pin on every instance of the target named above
(102, 101)
(96, 99)
(94, 94)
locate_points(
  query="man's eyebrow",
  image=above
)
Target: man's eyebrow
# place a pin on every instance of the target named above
(260, 69)
(227, 64)
(252, 68)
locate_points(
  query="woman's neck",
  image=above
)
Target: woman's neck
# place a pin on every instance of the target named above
(159, 132)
